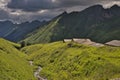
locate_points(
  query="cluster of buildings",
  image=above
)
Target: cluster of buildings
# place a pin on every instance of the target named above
(89, 42)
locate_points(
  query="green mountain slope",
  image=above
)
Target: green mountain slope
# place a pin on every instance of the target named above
(16, 32)
(98, 24)
(13, 66)
(71, 61)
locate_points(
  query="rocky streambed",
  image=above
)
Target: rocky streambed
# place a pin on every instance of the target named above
(37, 71)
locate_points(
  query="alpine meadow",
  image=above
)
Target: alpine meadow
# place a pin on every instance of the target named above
(59, 40)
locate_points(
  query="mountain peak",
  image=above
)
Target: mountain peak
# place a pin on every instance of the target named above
(64, 13)
(115, 6)
(61, 15)
(96, 6)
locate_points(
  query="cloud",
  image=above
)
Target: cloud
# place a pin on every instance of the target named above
(4, 14)
(36, 5)
(31, 5)
(28, 10)
(110, 3)
(18, 16)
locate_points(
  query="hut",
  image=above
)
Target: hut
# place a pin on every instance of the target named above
(83, 41)
(115, 43)
(78, 40)
(97, 44)
(67, 40)
(87, 42)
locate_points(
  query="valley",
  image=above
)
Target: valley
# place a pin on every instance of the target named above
(59, 60)
(16, 32)
(77, 45)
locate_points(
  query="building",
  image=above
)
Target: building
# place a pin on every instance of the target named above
(115, 43)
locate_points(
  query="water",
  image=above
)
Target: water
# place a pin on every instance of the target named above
(36, 73)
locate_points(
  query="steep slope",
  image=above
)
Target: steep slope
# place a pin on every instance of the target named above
(13, 66)
(44, 34)
(6, 27)
(71, 61)
(17, 32)
(95, 22)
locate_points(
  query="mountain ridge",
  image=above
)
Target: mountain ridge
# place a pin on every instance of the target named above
(16, 32)
(97, 23)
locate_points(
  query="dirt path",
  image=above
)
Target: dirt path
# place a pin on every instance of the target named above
(36, 73)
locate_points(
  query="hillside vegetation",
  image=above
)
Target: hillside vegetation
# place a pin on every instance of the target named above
(16, 32)
(71, 61)
(13, 65)
(96, 23)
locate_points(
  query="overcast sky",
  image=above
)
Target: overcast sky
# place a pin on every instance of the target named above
(29, 10)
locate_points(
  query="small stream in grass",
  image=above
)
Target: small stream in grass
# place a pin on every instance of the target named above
(37, 71)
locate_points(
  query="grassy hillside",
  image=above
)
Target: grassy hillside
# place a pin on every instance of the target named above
(16, 32)
(44, 34)
(98, 24)
(71, 61)
(106, 31)
(13, 65)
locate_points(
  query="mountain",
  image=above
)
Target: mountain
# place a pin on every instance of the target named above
(5, 27)
(17, 32)
(73, 61)
(96, 23)
(13, 65)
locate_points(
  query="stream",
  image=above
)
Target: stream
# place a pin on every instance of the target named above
(36, 73)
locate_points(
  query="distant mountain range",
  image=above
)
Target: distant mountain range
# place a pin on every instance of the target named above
(71, 59)
(17, 32)
(96, 23)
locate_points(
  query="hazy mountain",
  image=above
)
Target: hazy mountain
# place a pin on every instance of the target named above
(95, 22)
(16, 32)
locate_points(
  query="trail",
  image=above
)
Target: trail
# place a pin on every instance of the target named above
(36, 73)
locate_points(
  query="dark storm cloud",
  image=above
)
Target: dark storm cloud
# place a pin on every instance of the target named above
(31, 5)
(34, 5)
(18, 17)
(4, 14)
(28, 10)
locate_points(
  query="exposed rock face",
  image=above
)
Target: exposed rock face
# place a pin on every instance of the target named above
(114, 43)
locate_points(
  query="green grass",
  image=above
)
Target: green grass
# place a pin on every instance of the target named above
(71, 61)
(43, 35)
(13, 65)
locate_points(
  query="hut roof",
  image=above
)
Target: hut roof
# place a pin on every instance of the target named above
(114, 43)
(87, 42)
(84, 41)
(67, 40)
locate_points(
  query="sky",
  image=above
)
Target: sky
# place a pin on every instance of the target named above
(28, 10)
